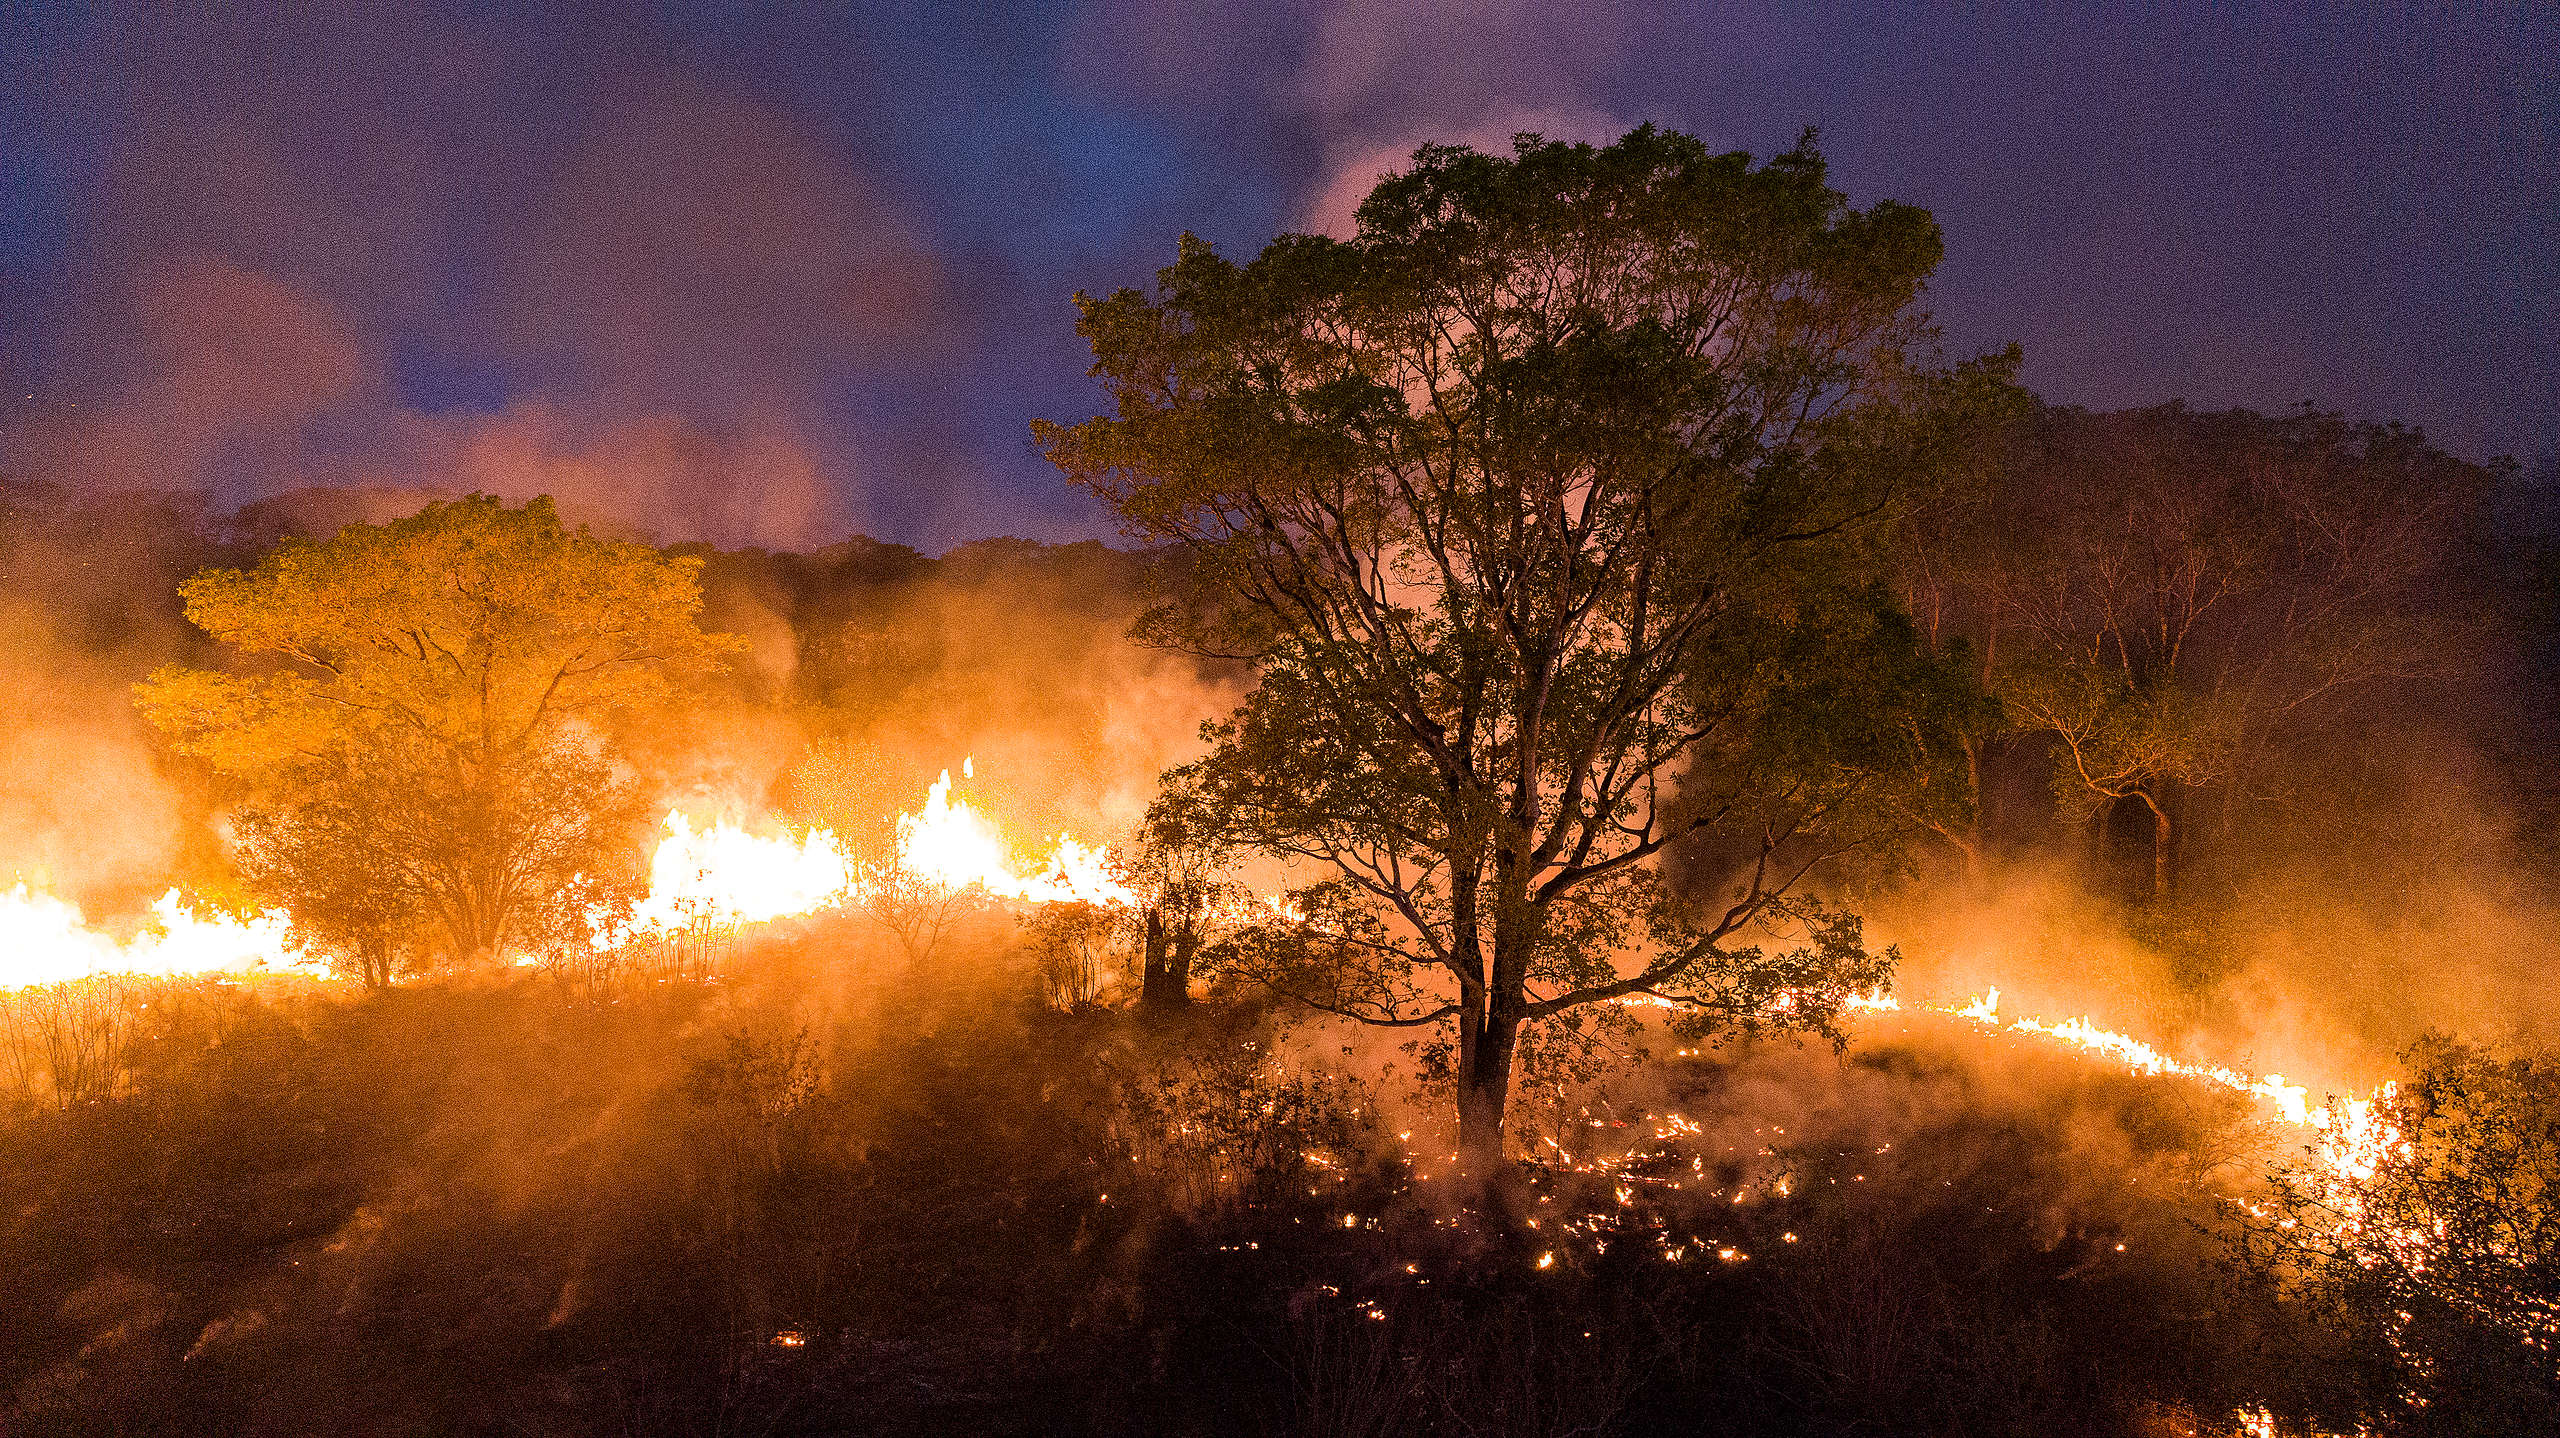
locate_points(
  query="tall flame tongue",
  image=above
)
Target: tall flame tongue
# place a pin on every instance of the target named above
(724, 874)
(727, 875)
(44, 940)
(950, 843)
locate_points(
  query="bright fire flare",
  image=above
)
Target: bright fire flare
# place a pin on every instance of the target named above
(45, 940)
(950, 843)
(726, 875)
(723, 874)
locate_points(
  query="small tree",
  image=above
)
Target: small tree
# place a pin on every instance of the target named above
(76, 1034)
(1177, 867)
(1533, 502)
(918, 910)
(2440, 1238)
(430, 740)
(1072, 946)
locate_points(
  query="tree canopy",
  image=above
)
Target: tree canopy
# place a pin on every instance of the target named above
(2184, 601)
(425, 718)
(1544, 510)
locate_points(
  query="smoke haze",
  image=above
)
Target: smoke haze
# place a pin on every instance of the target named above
(777, 285)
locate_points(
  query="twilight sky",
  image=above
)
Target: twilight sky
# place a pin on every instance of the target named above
(777, 274)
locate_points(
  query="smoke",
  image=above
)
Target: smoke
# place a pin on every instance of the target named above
(440, 256)
(83, 808)
(1382, 79)
(1018, 658)
(2321, 961)
(1359, 165)
(1348, 90)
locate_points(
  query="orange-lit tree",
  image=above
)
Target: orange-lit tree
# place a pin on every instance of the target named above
(2442, 1248)
(1542, 509)
(2191, 603)
(426, 719)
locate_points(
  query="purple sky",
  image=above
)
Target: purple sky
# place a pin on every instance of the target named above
(780, 277)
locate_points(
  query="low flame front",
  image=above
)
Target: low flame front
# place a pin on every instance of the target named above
(725, 874)
(45, 940)
(718, 873)
(722, 873)
(2354, 1140)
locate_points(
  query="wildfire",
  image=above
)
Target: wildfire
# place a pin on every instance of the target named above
(717, 873)
(950, 843)
(45, 940)
(727, 875)
(2354, 1140)
(722, 873)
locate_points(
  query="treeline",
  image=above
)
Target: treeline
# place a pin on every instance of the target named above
(2220, 642)
(867, 657)
(2219, 639)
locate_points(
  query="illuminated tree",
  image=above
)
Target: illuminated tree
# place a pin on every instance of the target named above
(1177, 867)
(338, 863)
(2443, 1246)
(1542, 509)
(2183, 601)
(426, 720)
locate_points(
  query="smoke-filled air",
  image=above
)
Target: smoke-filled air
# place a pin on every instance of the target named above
(1322, 721)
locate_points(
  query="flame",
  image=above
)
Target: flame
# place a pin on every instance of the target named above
(2352, 1140)
(2291, 1100)
(717, 873)
(727, 875)
(953, 845)
(45, 940)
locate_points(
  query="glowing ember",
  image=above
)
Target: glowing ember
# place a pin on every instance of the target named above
(45, 940)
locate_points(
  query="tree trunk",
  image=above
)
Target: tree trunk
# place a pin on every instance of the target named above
(1484, 1091)
(1971, 843)
(2159, 848)
(1484, 1069)
(1177, 969)
(1164, 966)
(1152, 967)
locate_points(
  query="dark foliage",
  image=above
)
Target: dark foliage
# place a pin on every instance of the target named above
(830, 1193)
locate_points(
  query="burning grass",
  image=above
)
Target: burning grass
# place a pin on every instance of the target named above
(840, 1189)
(785, 1156)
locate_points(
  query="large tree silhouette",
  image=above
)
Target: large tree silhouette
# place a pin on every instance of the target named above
(1542, 510)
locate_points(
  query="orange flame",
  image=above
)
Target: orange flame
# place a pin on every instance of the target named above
(45, 940)
(725, 874)
(955, 846)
